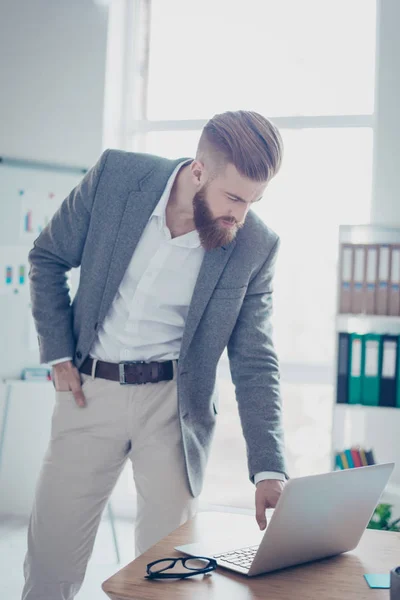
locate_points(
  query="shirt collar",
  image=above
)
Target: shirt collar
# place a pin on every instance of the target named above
(189, 240)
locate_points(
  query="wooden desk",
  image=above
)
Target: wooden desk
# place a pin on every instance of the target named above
(335, 578)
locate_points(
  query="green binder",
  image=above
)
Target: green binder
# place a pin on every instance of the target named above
(356, 360)
(370, 380)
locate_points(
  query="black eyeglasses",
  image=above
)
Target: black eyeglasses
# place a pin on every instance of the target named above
(193, 565)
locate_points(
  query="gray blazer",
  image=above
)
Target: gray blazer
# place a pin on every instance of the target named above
(97, 228)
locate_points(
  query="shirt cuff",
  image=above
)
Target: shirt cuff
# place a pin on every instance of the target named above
(59, 360)
(268, 475)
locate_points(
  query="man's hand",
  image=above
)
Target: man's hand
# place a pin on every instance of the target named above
(67, 379)
(268, 492)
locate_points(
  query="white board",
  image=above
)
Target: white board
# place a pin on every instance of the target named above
(30, 193)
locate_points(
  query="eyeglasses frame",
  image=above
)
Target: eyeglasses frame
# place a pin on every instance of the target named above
(162, 575)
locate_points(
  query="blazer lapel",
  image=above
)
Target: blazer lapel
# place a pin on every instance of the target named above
(211, 270)
(138, 210)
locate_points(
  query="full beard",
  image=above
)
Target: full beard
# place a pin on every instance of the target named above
(212, 234)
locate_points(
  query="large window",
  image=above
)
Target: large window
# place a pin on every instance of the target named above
(279, 57)
(309, 65)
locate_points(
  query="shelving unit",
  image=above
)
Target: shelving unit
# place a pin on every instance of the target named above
(376, 427)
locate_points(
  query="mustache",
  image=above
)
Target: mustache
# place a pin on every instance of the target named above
(239, 224)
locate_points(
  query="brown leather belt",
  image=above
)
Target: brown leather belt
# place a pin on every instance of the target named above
(130, 373)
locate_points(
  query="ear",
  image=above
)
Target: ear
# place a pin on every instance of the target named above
(198, 172)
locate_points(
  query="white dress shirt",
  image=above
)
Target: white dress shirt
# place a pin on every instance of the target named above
(148, 314)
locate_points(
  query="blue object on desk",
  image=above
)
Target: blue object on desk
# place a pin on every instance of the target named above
(378, 581)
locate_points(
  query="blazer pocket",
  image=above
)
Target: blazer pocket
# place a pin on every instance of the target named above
(226, 293)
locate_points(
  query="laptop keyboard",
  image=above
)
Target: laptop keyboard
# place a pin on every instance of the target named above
(242, 558)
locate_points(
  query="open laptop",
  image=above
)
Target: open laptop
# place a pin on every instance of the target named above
(316, 517)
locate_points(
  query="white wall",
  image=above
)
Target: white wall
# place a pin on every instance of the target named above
(52, 76)
(386, 186)
(52, 71)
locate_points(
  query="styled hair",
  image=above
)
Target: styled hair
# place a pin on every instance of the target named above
(245, 139)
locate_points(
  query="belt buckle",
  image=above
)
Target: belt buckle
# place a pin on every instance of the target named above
(121, 367)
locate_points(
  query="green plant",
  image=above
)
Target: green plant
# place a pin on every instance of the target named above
(381, 519)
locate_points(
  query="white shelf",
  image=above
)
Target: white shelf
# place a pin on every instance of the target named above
(375, 427)
(392, 412)
(368, 323)
(368, 234)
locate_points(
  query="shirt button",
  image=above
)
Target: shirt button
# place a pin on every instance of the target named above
(79, 354)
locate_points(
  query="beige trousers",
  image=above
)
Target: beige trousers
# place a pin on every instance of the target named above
(87, 451)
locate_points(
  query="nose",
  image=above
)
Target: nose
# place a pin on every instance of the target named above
(240, 212)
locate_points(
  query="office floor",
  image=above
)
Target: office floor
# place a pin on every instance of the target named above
(102, 565)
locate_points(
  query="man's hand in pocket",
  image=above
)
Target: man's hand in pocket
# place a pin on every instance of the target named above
(66, 378)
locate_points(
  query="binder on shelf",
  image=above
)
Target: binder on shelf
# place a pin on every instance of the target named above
(343, 458)
(354, 457)
(394, 282)
(342, 385)
(356, 360)
(355, 454)
(383, 280)
(364, 462)
(349, 458)
(346, 270)
(370, 457)
(389, 370)
(370, 385)
(338, 461)
(357, 287)
(371, 276)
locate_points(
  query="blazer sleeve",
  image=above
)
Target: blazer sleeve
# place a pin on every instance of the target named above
(56, 251)
(255, 373)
